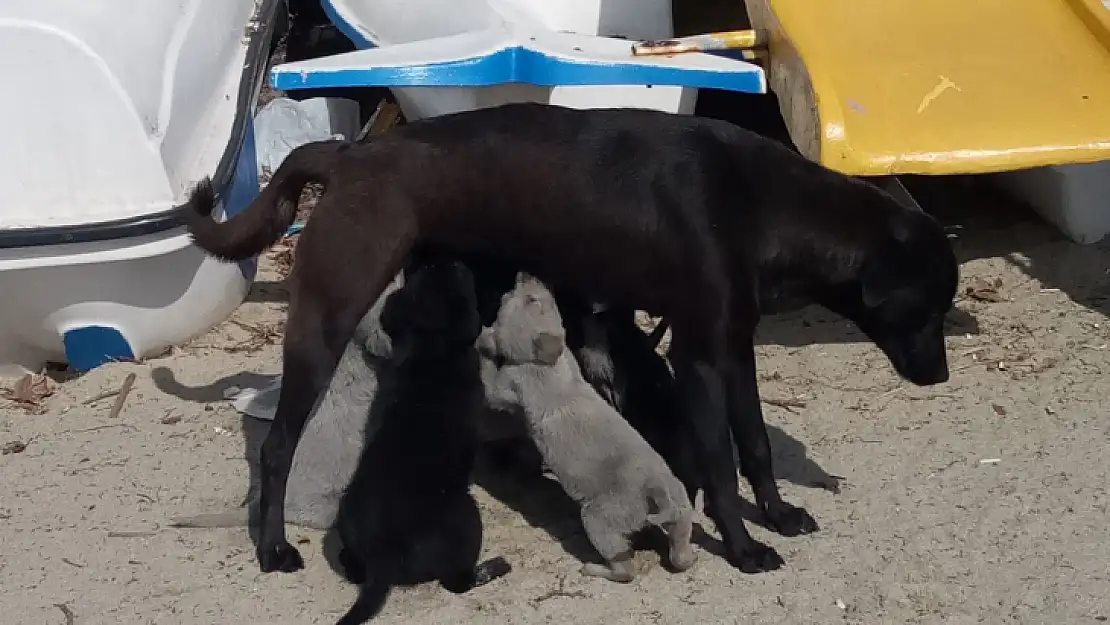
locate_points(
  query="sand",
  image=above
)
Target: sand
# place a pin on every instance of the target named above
(982, 500)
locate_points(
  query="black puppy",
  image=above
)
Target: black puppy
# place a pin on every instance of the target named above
(407, 515)
(683, 217)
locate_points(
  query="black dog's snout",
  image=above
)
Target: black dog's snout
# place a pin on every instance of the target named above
(927, 366)
(920, 358)
(936, 375)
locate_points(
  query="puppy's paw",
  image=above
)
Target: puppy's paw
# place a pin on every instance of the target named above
(490, 570)
(758, 558)
(619, 575)
(281, 557)
(682, 559)
(790, 520)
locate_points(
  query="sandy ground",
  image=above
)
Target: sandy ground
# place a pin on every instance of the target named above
(982, 500)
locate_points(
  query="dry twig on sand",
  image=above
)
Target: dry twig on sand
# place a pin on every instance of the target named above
(788, 405)
(121, 397)
(70, 618)
(558, 592)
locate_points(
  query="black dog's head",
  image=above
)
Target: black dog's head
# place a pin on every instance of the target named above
(436, 312)
(901, 293)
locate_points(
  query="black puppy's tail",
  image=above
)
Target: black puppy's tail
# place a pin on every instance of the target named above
(371, 597)
(263, 223)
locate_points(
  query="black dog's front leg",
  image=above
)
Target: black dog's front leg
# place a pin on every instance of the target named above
(745, 415)
(703, 403)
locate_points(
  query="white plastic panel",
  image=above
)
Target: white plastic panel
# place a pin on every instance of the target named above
(113, 109)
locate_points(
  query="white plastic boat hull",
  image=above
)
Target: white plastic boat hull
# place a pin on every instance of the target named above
(161, 291)
(93, 259)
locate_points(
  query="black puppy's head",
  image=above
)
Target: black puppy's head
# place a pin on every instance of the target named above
(902, 292)
(435, 313)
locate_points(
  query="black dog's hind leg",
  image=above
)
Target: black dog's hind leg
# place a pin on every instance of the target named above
(335, 279)
(315, 337)
(754, 448)
(307, 365)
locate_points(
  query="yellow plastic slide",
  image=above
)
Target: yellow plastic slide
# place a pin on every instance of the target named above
(942, 86)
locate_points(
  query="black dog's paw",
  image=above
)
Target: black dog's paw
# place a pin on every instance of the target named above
(758, 558)
(490, 570)
(281, 557)
(790, 520)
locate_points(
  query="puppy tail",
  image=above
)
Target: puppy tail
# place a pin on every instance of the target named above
(371, 598)
(260, 225)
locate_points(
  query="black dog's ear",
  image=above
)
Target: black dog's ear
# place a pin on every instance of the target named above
(393, 313)
(876, 286)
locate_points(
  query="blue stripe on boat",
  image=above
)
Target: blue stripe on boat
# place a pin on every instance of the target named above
(518, 65)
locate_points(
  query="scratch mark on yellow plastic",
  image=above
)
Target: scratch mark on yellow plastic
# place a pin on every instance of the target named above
(944, 85)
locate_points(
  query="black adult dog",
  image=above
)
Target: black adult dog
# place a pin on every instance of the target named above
(684, 217)
(407, 515)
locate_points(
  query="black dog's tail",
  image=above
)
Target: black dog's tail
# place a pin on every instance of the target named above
(371, 597)
(261, 224)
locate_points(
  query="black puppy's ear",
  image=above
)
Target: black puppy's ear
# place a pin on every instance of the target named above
(393, 313)
(492, 282)
(472, 326)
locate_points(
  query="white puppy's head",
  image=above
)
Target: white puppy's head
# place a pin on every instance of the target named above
(528, 329)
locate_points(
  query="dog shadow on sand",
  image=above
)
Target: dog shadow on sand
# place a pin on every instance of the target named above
(543, 503)
(518, 485)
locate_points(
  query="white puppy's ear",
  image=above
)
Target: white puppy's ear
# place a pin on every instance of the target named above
(548, 347)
